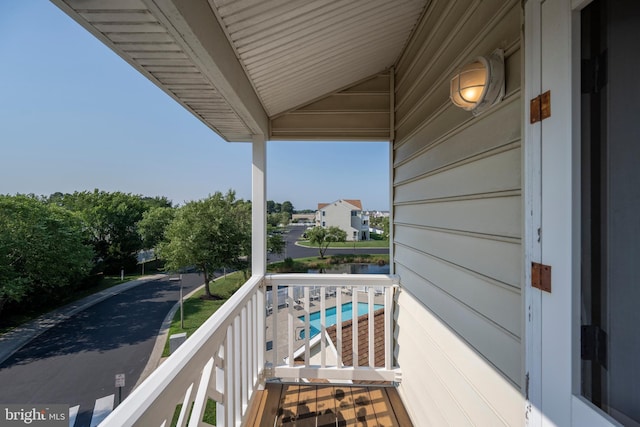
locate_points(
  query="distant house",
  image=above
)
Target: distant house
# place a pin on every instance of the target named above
(345, 214)
(304, 218)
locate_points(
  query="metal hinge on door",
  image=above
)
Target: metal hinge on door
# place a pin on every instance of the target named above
(541, 276)
(593, 344)
(540, 107)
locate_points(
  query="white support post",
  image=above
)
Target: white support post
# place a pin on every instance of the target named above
(259, 206)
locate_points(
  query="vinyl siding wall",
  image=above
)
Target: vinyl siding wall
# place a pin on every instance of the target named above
(458, 222)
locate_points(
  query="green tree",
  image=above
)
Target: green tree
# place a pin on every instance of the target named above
(287, 207)
(111, 221)
(275, 243)
(273, 219)
(42, 248)
(385, 227)
(323, 237)
(153, 225)
(209, 234)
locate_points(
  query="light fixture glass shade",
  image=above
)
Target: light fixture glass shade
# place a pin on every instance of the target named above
(469, 84)
(479, 84)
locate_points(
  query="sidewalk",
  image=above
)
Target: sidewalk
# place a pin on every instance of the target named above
(15, 339)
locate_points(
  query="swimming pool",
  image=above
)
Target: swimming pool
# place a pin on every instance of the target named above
(331, 316)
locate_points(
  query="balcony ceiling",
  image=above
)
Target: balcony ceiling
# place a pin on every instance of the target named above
(237, 64)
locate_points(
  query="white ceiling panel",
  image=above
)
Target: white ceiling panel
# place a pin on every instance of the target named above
(295, 51)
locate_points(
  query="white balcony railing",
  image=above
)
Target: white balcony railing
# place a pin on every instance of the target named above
(300, 346)
(223, 360)
(226, 358)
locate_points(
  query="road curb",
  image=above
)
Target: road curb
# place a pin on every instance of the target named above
(155, 359)
(158, 348)
(17, 338)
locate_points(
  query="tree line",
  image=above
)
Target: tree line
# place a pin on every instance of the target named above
(53, 245)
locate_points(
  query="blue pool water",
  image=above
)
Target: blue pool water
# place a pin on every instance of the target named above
(330, 316)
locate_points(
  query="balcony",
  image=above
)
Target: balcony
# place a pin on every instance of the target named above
(277, 331)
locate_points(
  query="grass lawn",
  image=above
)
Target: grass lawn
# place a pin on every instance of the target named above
(209, 415)
(198, 310)
(360, 244)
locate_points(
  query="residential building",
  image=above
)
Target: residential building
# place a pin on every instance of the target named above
(514, 231)
(347, 215)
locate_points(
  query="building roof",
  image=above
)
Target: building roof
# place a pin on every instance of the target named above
(356, 203)
(272, 68)
(363, 339)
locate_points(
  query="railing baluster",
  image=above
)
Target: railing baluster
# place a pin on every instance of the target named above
(274, 325)
(388, 328)
(244, 356)
(221, 379)
(261, 326)
(290, 322)
(339, 323)
(323, 326)
(182, 418)
(354, 325)
(251, 340)
(229, 377)
(201, 396)
(371, 334)
(237, 370)
(307, 328)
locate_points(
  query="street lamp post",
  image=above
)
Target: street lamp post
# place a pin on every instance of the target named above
(176, 279)
(181, 305)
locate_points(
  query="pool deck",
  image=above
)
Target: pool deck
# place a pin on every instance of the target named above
(282, 316)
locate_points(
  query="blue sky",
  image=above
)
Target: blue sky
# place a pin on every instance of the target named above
(75, 116)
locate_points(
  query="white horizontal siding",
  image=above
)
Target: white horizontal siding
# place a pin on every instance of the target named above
(458, 222)
(449, 384)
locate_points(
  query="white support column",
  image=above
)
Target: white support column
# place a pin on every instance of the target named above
(259, 206)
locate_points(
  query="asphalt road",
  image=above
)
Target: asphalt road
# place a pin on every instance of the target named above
(76, 361)
(293, 251)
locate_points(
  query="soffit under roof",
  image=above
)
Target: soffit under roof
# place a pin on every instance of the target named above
(296, 51)
(237, 64)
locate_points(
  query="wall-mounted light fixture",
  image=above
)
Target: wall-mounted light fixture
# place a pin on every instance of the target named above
(480, 84)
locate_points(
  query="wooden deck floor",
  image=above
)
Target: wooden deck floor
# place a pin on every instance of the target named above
(310, 405)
